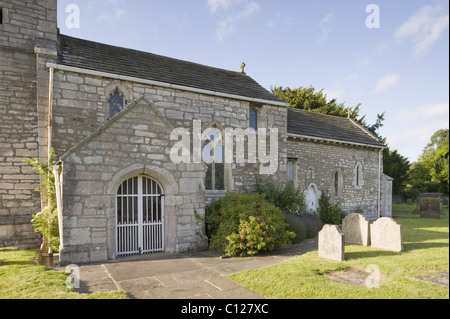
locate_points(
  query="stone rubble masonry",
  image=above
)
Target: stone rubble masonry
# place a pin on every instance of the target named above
(318, 163)
(356, 229)
(386, 234)
(331, 243)
(27, 24)
(84, 99)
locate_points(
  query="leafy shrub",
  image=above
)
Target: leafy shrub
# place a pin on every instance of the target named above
(305, 227)
(244, 225)
(46, 221)
(283, 195)
(330, 214)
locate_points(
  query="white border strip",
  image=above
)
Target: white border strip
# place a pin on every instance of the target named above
(160, 84)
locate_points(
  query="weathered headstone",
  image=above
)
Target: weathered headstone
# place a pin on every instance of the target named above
(356, 229)
(444, 201)
(386, 234)
(409, 201)
(331, 243)
(430, 205)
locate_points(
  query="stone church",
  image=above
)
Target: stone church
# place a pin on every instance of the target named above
(113, 116)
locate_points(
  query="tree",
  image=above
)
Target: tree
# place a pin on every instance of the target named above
(431, 172)
(397, 167)
(310, 100)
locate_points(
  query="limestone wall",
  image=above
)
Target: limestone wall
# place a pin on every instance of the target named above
(81, 106)
(26, 25)
(318, 163)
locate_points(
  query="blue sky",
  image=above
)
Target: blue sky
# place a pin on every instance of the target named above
(400, 67)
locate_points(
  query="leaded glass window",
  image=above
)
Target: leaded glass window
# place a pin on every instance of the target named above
(253, 120)
(116, 103)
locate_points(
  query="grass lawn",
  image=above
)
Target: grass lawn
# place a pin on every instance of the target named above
(426, 251)
(20, 278)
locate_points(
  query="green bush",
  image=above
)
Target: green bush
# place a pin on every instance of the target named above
(244, 225)
(46, 221)
(305, 227)
(330, 214)
(283, 195)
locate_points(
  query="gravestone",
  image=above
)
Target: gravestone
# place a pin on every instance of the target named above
(386, 234)
(356, 229)
(331, 243)
(430, 205)
(409, 201)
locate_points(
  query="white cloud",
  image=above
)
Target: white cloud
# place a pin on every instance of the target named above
(386, 82)
(423, 28)
(325, 28)
(112, 11)
(227, 27)
(415, 126)
(436, 112)
(215, 5)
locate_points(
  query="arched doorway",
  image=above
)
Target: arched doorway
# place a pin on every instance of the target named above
(139, 217)
(311, 197)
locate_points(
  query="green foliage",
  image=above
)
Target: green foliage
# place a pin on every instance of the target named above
(244, 225)
(329, 213)
(46, 221)
(431, 172)
(283, 195)
(305, 227)
(397, 167)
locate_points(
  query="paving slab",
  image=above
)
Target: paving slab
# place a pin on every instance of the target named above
(198, 275)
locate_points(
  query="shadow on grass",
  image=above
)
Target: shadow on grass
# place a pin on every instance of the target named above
(11, 256)
(369, 254)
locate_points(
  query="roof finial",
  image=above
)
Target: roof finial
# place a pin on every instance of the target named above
(243, 67)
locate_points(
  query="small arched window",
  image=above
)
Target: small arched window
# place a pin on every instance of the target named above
(358, 180)
(253, 119)
(337, 184)
(116, 103)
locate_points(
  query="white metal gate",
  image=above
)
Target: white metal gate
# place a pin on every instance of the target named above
(139, 217)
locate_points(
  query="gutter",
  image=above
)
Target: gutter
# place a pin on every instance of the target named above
(161, 84)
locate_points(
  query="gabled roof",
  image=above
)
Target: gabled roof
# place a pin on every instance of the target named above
(99, 57)
(303, 123)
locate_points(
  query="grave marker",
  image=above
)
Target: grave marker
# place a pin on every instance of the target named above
(331, 243)
(386, 234)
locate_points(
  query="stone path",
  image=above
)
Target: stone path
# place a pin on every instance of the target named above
(181, 276)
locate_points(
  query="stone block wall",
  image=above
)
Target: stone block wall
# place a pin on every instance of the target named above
(81, 106)
(26, 23)
(318, 163)
(93, 171)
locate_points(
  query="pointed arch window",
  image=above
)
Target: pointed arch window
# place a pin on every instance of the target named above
(337, 184)
(116, 103)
